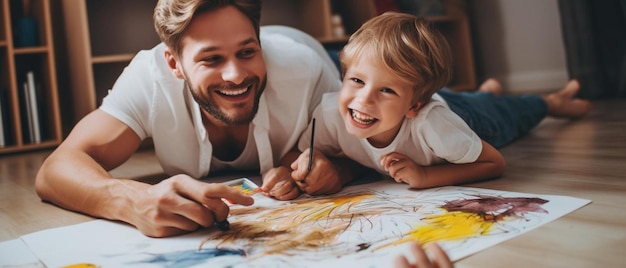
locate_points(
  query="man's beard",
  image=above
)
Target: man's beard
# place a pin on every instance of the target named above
(213, 109)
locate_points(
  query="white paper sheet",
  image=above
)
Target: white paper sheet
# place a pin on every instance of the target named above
(14, 253)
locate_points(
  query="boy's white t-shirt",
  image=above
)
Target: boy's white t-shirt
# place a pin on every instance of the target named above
(436, 135)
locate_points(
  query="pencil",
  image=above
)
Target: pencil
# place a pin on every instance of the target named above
(312, 143)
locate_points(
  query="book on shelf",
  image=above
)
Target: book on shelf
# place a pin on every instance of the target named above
(31, 109)
(422, 8)
(4, 122)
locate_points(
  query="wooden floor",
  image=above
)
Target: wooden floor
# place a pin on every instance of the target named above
(584, 158)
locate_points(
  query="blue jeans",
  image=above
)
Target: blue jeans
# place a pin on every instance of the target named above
(498, 120)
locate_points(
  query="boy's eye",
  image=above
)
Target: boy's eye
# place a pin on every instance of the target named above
(388, 90)
(356, 80)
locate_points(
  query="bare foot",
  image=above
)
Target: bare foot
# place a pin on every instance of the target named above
(563, 104)
(491, 85)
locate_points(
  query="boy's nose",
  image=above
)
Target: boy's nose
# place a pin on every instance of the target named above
(365, 96)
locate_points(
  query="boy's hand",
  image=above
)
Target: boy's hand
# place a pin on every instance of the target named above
(323, 177)
(436, 257)
(277, 183)
(403, 169)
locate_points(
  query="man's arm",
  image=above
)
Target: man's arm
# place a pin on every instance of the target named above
(75, 176)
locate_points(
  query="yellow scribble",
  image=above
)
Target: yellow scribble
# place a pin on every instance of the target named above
(323, 209)
(81, 265)
(448, 226)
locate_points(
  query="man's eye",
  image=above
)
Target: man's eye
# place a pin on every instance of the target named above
(247, 53)
(211, 59)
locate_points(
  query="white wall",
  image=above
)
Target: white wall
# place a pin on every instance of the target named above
(520, 43)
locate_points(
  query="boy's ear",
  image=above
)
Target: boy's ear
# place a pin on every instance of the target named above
(173, 63)
(413, 110)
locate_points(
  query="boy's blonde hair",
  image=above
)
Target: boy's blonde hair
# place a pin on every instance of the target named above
(406, 46)
(172, 17)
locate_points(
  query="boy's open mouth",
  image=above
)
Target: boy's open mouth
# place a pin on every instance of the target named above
(362, 118)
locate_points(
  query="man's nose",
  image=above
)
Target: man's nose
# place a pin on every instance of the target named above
(234, 72)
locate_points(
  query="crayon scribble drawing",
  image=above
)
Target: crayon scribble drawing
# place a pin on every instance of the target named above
(362, 226)
(366, 222)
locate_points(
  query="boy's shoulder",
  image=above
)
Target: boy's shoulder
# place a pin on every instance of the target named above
(436, 104)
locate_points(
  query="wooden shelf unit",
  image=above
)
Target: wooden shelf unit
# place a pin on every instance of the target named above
(102, 38)
(15, 62)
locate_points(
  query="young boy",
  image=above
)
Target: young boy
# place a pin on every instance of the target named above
(391, 116)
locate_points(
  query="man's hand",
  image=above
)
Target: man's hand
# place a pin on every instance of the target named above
(323, 178)
(277, 182)
(181, 204)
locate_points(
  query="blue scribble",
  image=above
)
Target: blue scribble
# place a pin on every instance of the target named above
(191, 257)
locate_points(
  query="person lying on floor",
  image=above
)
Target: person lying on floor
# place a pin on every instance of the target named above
(391, 114)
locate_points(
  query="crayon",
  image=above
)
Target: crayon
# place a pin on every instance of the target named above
(223, 225)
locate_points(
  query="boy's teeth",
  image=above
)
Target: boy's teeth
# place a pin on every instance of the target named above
(361, 118)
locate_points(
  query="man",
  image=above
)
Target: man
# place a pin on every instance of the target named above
(211, 100)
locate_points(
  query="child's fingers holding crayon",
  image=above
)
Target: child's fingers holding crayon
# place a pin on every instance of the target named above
(300, 169)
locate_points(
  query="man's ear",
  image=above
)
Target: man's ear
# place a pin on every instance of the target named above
(173, 63)
(413, 110)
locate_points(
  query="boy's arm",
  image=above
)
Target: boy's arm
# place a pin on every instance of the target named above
(490, 164)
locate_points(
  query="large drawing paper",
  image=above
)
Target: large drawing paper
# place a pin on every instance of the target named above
(362, 225)
(14, 253)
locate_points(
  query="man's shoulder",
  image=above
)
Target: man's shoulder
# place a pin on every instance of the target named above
(330, 100)
(145, 55)
(289, 62)
(151, 65)
(288, 45)
(280, 32)
(147, 74)
(329, 110)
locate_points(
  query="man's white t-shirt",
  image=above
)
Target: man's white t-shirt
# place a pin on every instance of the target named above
(154, 103)
(436, 135)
